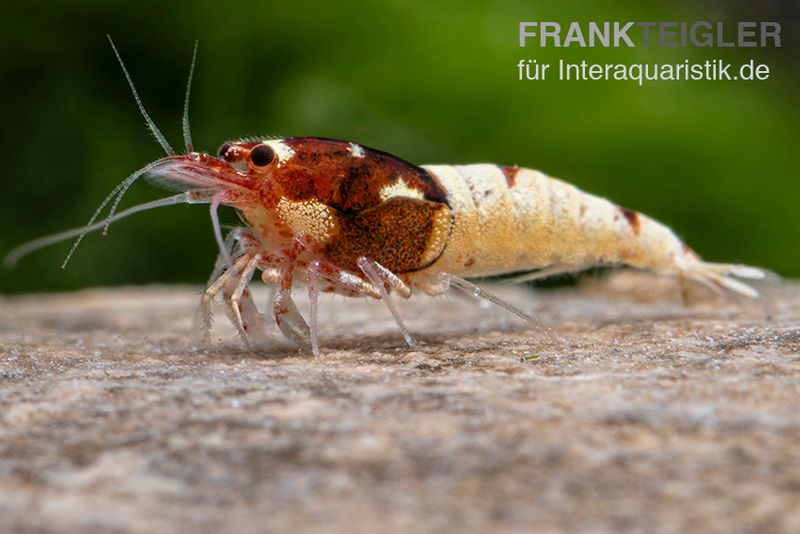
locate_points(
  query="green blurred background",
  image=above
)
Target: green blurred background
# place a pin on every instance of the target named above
(433, 82)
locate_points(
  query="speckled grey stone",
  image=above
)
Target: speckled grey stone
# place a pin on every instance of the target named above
(640, 415)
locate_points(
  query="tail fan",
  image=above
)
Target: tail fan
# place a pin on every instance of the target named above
(721, 276)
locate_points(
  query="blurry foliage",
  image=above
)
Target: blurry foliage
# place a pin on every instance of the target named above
(433, 82)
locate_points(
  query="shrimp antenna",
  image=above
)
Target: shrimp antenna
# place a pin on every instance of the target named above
(187, 135)
(121, 187)
(150, 124)
(23, 250)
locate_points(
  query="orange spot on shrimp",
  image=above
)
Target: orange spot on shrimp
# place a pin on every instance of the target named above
(691, 253)
(632, 217)
(511, 175)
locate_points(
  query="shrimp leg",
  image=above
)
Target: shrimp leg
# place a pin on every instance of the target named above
(380, 277)
(288, 318)
(240, 307)
(447, 280)
(339, 281)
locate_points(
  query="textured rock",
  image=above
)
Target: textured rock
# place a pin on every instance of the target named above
(641, 414)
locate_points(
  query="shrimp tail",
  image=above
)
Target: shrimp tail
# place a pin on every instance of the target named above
(723, 275)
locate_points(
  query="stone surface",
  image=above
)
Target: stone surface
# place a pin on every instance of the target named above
(640, 414)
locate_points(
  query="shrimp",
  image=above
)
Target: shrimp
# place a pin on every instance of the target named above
(340, 217)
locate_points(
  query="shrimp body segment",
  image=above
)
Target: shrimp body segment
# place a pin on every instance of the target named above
(343, 218)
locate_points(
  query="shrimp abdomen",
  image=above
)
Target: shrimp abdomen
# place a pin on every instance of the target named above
(510, 219)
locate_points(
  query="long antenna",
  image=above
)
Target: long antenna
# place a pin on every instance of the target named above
(122, 186)
(26, 248)
(187, 135)
(150, 124)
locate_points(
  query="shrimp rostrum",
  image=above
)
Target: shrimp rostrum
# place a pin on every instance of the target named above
(339, 217)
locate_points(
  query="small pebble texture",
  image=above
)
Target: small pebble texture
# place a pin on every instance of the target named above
(637, 414)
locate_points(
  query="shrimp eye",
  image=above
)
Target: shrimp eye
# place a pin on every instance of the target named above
(223, 149)
(262, 155)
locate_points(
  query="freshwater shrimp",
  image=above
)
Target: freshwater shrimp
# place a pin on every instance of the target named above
(340, 217)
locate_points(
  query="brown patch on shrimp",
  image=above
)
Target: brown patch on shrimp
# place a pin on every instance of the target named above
(632, 217)
(400, 234)
(511, 174)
